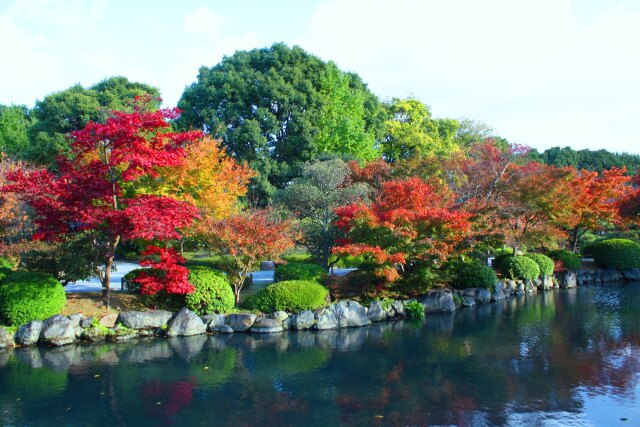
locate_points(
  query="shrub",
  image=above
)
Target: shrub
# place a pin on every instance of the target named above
(474, 275)
(521, 267)
(569, 260)
(213, 291)
(26, 296)
(299, 271)
(620, 254)
(297, 257)
(500, 259)
(292, 296)
(544, 262)
(5, 263)
(414, 309)
(128, 280)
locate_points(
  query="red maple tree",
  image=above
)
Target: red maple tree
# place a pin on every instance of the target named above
(167, 273)
(95, 189)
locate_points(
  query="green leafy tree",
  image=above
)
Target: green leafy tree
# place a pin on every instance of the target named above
(313, 198)
(15, 120)
(267, 107)
(411, 132)
(71, 109)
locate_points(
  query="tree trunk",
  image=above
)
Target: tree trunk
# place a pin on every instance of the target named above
(106, 284)
(574, 241)
(181, 247)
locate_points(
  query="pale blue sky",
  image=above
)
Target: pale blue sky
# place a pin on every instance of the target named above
(543, 73)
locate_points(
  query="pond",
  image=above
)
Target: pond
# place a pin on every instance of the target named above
(570, 357)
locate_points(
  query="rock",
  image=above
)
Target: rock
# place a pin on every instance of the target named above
(185, 323)
(499, 292)
(29, 333)
(206, 318)
(512, 287)
(327, 320)
(94, 334)
(530, 287)
(632, 275)
(547, 283)
(108, 321)
(280, 316)
(121, 333)
(6, 339)
(439, 301)
(241, 322)
(468, 301)
(86, 322)
(286, 323)
(350, 314)
(265, 325)
(223, 329)
(75, 319)
(520, 290)
(483, 296)
(302, 320)
(556, 283)
(568, 280)
(398, 308)
(57, 330)
(144, 319)
(608, 276)
(216, 320)
(376, 312)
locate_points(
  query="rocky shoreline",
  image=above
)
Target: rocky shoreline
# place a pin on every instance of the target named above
(62, 330)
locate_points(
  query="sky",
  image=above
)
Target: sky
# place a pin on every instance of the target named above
(542, 73)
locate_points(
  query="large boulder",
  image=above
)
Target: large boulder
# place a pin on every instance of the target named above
(94, 334)
(547, 283)
(568, 280)
(632, 275)
(377, 312)
(241, 322)
(144, 319)
(398, 308)
(108, 321)
(6, 339)
(608, 276)
(500, 291)
(217, 320)
(483, 296)
(185, 323)
(468, 301)
(303, 320)
(265, 325)
(350, 314)
(530, 287)
(327, 320)
(29, 333)
(57, 330)
(280, 316)
(438, 301)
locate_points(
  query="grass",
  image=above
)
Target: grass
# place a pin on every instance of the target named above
(90, 303)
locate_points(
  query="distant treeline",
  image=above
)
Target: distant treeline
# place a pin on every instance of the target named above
(597, 160)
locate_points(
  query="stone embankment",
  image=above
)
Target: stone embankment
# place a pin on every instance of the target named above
(61, 330)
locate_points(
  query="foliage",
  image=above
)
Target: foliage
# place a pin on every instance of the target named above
(248, 238)
(26, 296)
(278, 107)
(598, 161)
(620, 254)
(544, 262)
(411, 132)
(420, 279)
(409, 221)
(569, 260)
(92, 191)
(521, 268)
(474, 275)
(414, 309)
(72, 109)
(313, 198)
(299, 271)
(15, 224)
(291, 296)
(173, 278)
(129, 282)
(303, 257)
(630, 204)
(212, 293)
(15, 120)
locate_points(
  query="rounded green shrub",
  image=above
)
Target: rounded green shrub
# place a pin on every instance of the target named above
(128, 280)
(545, 263)
(5, 263)
(299, 271)
(26, 296)
(474, 275)
(570, 261)
(292, 296)
(213, 291)
(520, 267)
(620, 254)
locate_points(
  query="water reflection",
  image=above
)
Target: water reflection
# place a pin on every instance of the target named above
(566, 356)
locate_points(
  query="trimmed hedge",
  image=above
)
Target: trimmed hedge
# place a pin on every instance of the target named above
(299, 271)
(620, 254)
(474, 275)
(571, 261)
(213, 291)
(26, 296)
(291, 296)
(520, 267)
(545, 263)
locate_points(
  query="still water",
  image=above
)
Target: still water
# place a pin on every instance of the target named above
(570, 357)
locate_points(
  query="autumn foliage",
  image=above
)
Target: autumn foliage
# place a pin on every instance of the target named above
(167, 273)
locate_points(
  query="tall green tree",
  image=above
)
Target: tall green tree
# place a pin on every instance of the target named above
(15, 120)
(411, 132)
(267, 107)
(71, 109)
(313, 198)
